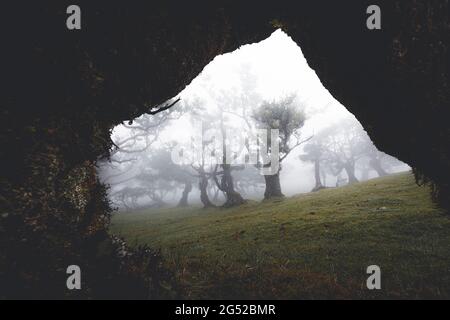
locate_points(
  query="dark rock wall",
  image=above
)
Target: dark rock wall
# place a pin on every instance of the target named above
(394, 80)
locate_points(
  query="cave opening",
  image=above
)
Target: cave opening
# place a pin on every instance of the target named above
(141, 172)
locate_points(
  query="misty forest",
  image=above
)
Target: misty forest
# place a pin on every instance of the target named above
(225, 150)
(266, 85)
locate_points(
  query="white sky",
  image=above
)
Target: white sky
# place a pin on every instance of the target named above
(280, 68)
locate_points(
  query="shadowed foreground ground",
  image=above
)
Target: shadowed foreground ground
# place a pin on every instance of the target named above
(315, 245)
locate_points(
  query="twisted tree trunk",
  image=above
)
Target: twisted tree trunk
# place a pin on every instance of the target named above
(350, 170)
(233, 198)
(376, 165)
(273, 187)
(203, 186)
(226, 185)
(184, 197)
(318, 185)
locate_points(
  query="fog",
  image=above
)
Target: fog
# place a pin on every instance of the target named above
(267, 85)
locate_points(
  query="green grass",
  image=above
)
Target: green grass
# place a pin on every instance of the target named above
(315, 245)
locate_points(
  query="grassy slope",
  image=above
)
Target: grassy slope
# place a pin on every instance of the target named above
(316, 245)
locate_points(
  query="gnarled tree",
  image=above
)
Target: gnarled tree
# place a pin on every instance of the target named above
(286, 116)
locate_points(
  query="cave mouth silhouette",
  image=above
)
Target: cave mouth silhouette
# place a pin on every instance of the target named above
(63, 91)
(254, 73)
